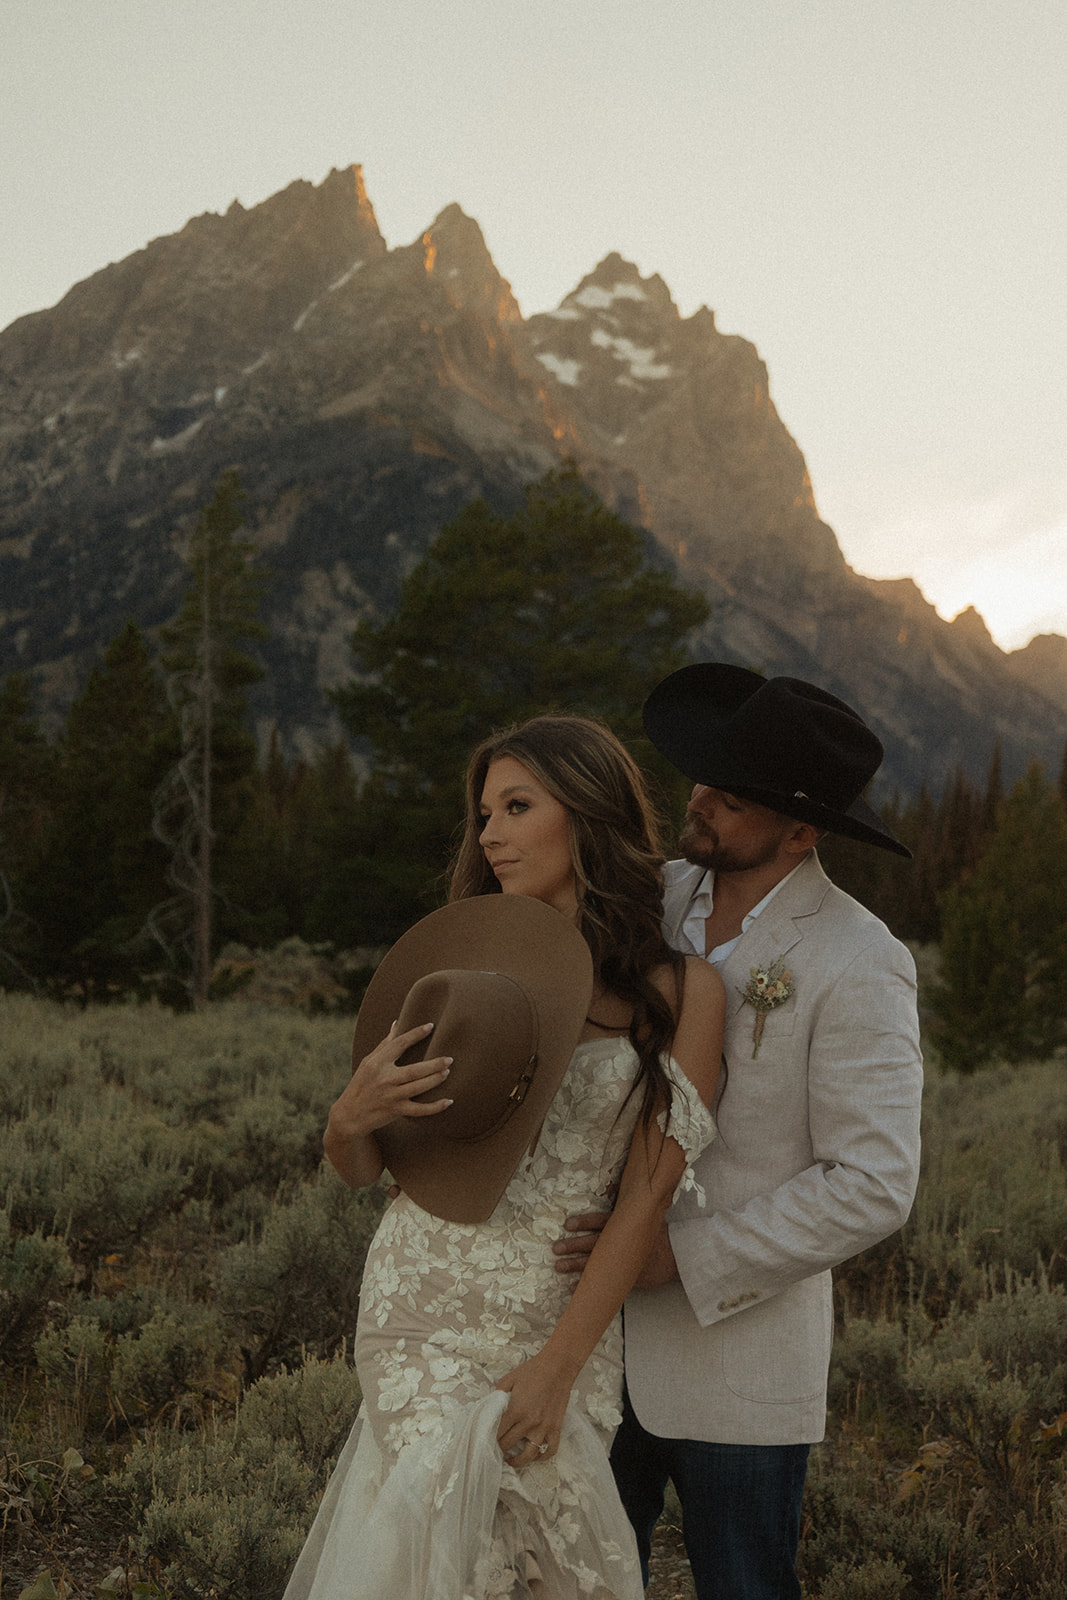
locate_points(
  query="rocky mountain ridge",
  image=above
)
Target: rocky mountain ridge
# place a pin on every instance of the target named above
(366, 394)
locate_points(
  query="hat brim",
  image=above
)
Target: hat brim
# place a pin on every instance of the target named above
(509, 934)
(685, 717)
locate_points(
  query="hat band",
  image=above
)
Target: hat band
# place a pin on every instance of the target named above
(514, 1100)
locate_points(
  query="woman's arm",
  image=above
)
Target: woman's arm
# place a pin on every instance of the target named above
(378, 1092)
(540, 1388)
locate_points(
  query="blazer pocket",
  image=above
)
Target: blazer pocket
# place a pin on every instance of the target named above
(778, 1352)
(779, 1024)
(778, 1028)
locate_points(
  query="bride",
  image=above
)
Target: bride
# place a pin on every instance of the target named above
(478, 1466)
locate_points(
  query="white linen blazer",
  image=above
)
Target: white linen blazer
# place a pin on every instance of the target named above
(816, 1159)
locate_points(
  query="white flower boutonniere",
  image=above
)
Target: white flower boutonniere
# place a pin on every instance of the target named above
(766, 988)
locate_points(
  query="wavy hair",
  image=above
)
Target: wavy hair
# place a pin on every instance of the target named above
(618, 863)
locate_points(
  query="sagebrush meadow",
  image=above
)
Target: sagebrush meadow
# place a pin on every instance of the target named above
(179, 1277)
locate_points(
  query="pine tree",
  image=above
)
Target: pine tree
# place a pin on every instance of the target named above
(341, 884)
(559, 608)
(208, 676)
(994, 793)
(101, 868)
(1004, 953)
(26, 781)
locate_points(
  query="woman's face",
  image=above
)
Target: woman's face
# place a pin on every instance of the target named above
(526, 836)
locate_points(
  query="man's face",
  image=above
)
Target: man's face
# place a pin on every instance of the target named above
(728, 834)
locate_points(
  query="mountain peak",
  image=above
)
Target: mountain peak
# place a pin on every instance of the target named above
(456, 255)
(616, 286)
(972, 625)
(1042, 665)
(347, 182)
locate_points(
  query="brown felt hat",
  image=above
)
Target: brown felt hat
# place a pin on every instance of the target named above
(507, 982)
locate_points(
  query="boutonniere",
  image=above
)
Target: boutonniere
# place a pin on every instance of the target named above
(766, 988)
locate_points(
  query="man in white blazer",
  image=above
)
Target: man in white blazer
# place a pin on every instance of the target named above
(728, 1342)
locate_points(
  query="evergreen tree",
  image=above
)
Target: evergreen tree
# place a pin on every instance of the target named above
(921, 918)
(994, 793)
(101, 867)
(558, 608)
(340, 883)
(26, 780)
(1004, 953)
(208, 792)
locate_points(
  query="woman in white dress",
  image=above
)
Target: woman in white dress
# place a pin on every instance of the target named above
(478, 1467)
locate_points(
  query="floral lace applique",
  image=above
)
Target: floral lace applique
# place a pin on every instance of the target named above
(692, 1126)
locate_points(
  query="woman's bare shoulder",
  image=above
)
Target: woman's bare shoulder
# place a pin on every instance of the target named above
(702, 988)
(703, 981)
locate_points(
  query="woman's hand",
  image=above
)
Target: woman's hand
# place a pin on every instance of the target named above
(539, 1390)
(380, 1090)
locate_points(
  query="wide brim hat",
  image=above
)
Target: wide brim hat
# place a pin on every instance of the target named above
(781, 742)
(507, 981)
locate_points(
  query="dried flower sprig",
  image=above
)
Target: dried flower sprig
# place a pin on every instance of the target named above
(766, 988)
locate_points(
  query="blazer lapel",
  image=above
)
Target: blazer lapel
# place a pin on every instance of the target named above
(775, 931)
(678, 899)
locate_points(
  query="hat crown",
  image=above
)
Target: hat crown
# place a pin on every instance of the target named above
(804, 741)
(487, 1023)
(781, 742)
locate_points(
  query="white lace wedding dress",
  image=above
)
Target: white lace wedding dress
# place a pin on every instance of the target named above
(421, 1504)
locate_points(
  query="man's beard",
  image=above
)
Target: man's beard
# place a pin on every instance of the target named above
(699, 843)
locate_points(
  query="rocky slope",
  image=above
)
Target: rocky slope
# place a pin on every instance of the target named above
(366, 394)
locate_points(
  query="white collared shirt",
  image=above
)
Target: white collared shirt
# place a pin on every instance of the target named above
(700, 908)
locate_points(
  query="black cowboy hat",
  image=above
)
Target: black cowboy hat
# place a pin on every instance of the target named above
(781, 742)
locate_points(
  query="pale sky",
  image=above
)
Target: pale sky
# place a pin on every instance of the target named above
(872, 191)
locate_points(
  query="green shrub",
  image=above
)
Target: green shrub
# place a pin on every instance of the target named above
(226, 1512)
(297, 1286)
(34, 1270)
(76, 1360)
(138, 1364)
(866, 1580)
(172, 1361)
(102, 1178)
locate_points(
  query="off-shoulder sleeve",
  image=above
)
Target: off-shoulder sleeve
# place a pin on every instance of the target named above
(691, 1125)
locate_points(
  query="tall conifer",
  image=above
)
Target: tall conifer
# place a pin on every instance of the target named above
(101, 868)
(559, 608)
(208, 675)
(1004, 953)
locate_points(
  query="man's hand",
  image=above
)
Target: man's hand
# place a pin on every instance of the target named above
(583, 1232)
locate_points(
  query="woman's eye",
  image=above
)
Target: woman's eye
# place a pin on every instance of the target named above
(517, 807)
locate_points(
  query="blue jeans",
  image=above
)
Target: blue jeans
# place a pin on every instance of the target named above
(740, 1507)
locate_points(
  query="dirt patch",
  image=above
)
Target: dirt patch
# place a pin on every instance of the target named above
(669, 1577)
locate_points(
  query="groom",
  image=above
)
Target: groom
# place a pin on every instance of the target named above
(728, 1338)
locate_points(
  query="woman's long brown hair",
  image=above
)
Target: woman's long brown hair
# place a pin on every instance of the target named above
(618, 865)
